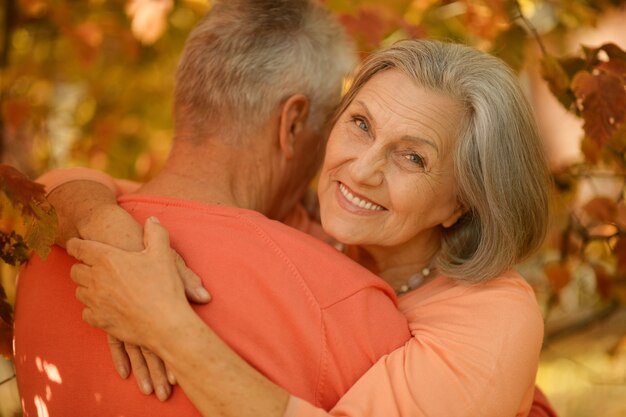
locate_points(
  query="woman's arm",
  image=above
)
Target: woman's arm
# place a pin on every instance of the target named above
(89, 210)
(473, 352)
(137, 296)
(85, 201)
(83, 198)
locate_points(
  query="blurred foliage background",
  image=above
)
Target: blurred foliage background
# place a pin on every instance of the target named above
(89, 83)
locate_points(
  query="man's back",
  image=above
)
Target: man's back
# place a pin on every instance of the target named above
(301, 313)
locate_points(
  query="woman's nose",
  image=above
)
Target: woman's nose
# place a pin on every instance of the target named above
(367, 168)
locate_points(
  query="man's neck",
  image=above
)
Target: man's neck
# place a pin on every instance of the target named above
(211, 175)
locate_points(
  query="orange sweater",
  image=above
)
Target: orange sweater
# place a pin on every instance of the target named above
(464, 338)
(474, 352)
(300, 312)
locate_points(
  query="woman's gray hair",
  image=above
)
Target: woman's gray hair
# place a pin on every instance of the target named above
(500, 168)
(244, 58)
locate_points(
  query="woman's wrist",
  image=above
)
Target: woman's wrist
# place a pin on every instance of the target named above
(172, 336)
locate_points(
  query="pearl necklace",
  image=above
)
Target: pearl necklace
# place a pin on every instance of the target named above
(414, 281)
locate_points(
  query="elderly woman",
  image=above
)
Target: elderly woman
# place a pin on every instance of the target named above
(435, 171)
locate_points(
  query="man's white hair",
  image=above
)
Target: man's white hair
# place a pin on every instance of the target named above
(247, 56)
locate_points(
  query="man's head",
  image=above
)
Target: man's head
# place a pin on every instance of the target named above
(263, 77)
(246, 57)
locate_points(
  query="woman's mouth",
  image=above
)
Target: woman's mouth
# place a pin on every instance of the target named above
(359, 202)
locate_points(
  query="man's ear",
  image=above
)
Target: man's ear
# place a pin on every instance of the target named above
(293, 117)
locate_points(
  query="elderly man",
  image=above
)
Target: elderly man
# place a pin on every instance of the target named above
(256, 84)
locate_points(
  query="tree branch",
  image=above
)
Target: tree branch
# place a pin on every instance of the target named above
(530, 27)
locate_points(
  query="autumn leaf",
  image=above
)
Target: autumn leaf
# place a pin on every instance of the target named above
(87, 38)
(620, 253)
(604, 282)
(34, 8)
(601, 99)
(559, 275)
(27, 221)
(15, 111)
(572, 65)
(618, 141)
(368, 26)
(608, 51)
(591, 150)
(486, 18)
(614, 67)
(602, 209)
(6, 327)
(509, 46)
(558, 81)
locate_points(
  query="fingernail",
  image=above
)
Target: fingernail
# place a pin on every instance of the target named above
(154, 220)
(146, 387)
(171, 378)
(162, 393)
(203, 294)
(123, 371)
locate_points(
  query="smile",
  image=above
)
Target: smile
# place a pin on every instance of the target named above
(366, 205)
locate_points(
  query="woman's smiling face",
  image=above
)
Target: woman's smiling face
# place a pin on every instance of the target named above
(387, 178)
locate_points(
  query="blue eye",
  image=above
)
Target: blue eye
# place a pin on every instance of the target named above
(415, 159)
(361, 124)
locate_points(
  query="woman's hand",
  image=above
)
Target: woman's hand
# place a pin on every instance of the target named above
(129, 294)
(121, 291)
(89, 210)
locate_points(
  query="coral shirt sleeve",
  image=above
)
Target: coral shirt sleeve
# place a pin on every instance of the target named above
(474, 352)
(57, 177)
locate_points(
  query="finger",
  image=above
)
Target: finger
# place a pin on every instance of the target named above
(81, 274)
(88, 317)
(140, 368)
(158, 374)
(119, 356)
(155, 237)
(194, 288)
(170, 376)
(82, 296)
(88, 251)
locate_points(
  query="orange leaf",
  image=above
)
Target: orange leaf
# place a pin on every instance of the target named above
(15, 112)
(6, 340)
(620, 218)
(601, 98)
(558, 81)
(602, 208)
(368, 25)
(620, 253)
(6, 328)
(591, 150)
(558, 275)
(20, 189)
(34, 8)
(27, 221)
(603, 281)
(614, 67)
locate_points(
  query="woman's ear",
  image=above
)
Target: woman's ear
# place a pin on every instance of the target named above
(293, 117)
(459, 210)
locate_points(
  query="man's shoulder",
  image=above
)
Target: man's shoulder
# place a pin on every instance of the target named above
(329, 274)
(247, 239)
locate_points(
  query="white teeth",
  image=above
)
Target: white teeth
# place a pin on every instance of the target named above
(367, 205)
